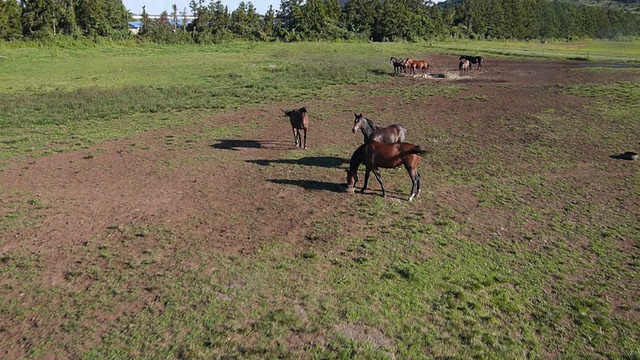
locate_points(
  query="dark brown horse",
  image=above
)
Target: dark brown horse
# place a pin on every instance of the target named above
(464, 67)
(423, 65)
(398, 65)
(375, 155)
(371, 131)
(299, 121)
(474, 60)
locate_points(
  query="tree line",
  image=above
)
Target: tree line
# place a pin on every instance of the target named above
(295, 20)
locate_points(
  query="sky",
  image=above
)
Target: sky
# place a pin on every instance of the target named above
(155, 7)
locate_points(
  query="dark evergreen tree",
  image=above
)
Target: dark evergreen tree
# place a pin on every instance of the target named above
(91, 17)
(10, 23)
(269, 25)
(115, 15)
(360, 16)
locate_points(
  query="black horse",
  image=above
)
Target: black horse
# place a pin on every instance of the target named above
(473, 59)
(399, 65)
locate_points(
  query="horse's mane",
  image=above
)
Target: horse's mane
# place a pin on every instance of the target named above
(372, 125)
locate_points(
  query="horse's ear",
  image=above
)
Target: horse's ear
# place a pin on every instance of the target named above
(303, 109)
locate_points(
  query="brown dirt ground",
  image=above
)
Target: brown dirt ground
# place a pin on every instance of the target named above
(215, 191)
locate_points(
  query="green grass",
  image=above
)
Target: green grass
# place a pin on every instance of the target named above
(532, 271)
(599, 51)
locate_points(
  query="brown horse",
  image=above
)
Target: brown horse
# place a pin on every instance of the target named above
(464, 67)
(423, 65)
(299, 121)
(371, 131)
(375, 155)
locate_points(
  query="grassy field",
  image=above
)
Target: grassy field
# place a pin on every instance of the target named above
(59, 98)
(605, 51)
(424, 282)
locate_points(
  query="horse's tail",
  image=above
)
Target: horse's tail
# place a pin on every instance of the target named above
(287, 113)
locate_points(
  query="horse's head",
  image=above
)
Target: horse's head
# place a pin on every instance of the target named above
(357, 123)
(352, 180)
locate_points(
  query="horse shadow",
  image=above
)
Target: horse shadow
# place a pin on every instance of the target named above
(312, 184)
(238, 144)
(318, 161)
(629, 155)
(380, 72)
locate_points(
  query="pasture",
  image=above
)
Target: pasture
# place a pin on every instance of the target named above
(152, 204)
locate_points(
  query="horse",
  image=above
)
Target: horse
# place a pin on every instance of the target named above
(375, 155)
(398, 65)
(423, 65)
(464, 67)
(299, 121)
(473, 59)
(372, 132)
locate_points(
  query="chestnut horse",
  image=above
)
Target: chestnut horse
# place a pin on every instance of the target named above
(375, 155)
(464, 67)
(299, 121)
(371, 131)
(423, 65)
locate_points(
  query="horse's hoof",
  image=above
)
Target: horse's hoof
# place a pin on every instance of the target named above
(411, 197)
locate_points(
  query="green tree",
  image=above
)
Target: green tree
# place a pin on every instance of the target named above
(115, 15)
(145, 21)
(10, 23)
(174, 16)
(221, 18)
(91, 18)
(360, 17)
(40, 17)
(269, 26)
(314, 18)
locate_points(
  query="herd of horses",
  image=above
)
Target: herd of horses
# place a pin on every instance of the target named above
(400, 65)
(383, 147)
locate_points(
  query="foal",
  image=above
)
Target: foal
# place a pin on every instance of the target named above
(464, 67)
(299, 121)
(473, 60)
(398, 65)
(375, 155)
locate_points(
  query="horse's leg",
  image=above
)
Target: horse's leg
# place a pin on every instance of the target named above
(415, 181)
(305, 137)
(295, 137)
(376, 172)
(366, 179)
